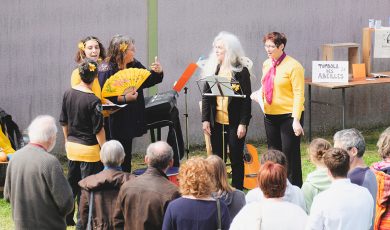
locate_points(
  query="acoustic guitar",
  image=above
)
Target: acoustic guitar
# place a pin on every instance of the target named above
(251, 166)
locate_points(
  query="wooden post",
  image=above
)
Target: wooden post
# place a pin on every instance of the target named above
(366, 48)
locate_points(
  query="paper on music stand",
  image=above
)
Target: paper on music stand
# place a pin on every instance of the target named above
(220, 86)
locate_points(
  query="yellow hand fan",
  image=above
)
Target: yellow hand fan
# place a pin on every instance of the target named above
(124, 79)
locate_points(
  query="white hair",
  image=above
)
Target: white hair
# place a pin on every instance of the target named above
(233, 53)
(159, 154)
(112, 153)
(42, 129)
(349, 138)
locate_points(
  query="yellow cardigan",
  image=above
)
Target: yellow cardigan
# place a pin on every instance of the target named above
(289, 88)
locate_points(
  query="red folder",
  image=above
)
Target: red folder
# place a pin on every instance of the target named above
(190, 70)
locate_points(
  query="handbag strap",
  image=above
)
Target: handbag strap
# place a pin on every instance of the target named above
(219, 214)
(89, 226)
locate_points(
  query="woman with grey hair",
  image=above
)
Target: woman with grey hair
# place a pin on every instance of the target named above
(128, 122)
(359, 173)
(228, 116)
(103, 187)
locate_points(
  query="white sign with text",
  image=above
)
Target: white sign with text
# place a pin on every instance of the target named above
(330, 71)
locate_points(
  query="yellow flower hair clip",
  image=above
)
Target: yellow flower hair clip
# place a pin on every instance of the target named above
(92, 67)
(123, 47)
(236, 87)
(81, 46)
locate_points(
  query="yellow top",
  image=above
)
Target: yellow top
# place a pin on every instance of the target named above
(222, 114)
(5, 144)
(85, 153)
(289, 88)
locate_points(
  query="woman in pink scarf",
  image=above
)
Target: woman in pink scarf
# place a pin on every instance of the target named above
(283, 96)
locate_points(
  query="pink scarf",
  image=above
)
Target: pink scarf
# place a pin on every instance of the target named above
(268, 80)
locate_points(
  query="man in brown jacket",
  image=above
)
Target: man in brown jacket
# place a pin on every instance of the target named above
(142, 202)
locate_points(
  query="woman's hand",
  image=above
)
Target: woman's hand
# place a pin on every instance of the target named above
(156, 66)
(206, 128)
(132, 96)
(297, 127)
(241, 131)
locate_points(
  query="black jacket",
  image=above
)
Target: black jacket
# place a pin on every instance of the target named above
(239, 109)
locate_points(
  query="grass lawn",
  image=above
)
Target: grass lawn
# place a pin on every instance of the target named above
(370, 156)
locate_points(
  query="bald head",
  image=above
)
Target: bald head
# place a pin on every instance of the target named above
(159, 155)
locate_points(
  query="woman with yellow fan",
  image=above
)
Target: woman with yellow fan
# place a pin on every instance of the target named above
(129, 78)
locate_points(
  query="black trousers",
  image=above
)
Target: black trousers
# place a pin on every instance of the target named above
(280, 136)
(127, 146)
(236, 147)
(78, 170)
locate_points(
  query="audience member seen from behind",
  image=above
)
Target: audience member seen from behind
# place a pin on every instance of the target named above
(292, 194)
(353, 142)
(383, 145)
(142, 202)
(382, 173)
(196, 209)
(318, 180)
(35, 184)
(273, 213)
(282, 93)
(226, 119)
(128, 122)
(82, 124)
(343, 205)
(233, 198)
(104, 188)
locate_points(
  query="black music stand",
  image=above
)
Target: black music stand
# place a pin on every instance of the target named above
(182, 82)
(221, 86)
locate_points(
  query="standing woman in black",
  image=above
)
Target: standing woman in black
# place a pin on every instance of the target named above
(231, 114)
(128, 122)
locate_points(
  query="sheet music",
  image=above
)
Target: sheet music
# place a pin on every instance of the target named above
(113, 106)
(224, 88)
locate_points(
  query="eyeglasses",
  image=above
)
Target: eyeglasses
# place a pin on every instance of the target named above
(269, 46)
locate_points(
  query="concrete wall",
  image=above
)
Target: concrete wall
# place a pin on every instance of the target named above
(38, 40)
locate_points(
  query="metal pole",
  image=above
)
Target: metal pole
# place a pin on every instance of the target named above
(343, 107)
(309, 112)
(186, 115)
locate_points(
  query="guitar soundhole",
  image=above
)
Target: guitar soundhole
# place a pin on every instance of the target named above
(247, 158)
